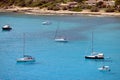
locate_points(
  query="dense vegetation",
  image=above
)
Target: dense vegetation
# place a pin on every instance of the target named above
(53, 5)
(33, 3)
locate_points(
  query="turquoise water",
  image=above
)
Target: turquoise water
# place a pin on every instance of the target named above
(59, 61)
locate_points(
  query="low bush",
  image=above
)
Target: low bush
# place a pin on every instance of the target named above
(110, 9)
(77, 9)
(94, 9)
(118, 9)
(53, 7)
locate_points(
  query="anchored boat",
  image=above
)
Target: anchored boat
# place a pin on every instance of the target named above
(25, 58)
(60, 38)
(104, 68)
(6, 28)
(95, 55)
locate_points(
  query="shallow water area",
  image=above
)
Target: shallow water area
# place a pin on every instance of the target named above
(54, 60)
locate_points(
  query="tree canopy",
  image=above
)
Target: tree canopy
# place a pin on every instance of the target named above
(117, 3)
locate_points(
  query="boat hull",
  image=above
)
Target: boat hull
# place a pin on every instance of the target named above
(46, 23)
(26, 60)
(105, 68)
(61, 40)
(6, 29)
(93, 57)
(101, 69)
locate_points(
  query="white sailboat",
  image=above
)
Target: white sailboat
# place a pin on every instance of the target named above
(25, 58)
(59, 38)
(95, 55)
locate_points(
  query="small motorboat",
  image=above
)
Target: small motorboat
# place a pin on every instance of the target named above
(61, 40)
(6, 28)
(95, 56)
(46, 23)
(104, 68)
(26, 58)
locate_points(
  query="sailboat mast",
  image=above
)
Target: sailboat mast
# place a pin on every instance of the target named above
(23, 44)
(56, 31)
(92, 42)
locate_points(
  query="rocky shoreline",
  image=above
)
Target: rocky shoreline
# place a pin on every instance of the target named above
(37, 11)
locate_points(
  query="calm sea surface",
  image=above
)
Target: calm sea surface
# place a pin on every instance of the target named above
(59, 61)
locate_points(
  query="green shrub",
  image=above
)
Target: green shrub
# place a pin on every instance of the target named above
(20, 3)
(110, 9)
(35, 4)
(6, 3)
(51, 7)
(64, 8)
(94, 9)
(86, 6)
(47, 4)
(54, 7)
(28, 3)
(77, 9)
(100, 4)
(118, 9)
